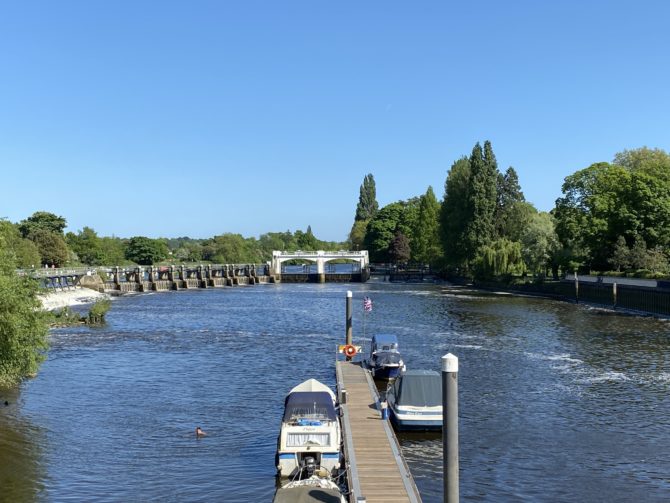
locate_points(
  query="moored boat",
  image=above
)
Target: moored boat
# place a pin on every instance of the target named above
(384, 359)
(415, 401)
(310, 431)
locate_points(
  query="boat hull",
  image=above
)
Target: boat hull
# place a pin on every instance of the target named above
(288, 463)
(415, 422)
(385, 373)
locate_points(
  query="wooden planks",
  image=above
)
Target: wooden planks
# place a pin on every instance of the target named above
(377, 469)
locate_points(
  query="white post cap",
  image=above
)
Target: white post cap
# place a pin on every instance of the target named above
(349, 294)
(449, 363)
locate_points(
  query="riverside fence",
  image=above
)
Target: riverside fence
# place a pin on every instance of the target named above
(610, 294)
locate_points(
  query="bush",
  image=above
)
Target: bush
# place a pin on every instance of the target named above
(96, 315)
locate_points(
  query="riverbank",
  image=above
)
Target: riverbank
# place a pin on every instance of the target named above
(59, 299)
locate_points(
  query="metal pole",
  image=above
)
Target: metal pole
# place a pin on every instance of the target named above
(349, 317)
(450, 427)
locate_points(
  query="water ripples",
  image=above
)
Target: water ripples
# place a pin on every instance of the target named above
(557, 402)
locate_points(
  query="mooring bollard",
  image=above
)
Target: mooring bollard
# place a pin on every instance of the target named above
(343, 396)
(450, 427)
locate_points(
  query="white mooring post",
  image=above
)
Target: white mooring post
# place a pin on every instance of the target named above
(450, 427)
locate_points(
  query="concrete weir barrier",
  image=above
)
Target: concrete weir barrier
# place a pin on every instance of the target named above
(166, 278)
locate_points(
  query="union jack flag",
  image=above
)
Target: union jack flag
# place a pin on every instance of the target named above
(367, 304)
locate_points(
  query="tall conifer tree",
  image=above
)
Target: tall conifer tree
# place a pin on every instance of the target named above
(455, 213)
(365, 210)
(426, 238)
(367, 200)
(482, 199)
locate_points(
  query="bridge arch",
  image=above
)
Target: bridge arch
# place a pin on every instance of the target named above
(321, 258)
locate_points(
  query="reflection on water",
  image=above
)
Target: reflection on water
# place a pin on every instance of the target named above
(21, 471)
(557, 402)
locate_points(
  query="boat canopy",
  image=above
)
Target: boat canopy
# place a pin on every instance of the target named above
(313, 385)
(316, 405)
(384, 342)
(418, 388)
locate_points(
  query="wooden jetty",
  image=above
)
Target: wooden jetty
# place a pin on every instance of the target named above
(376, 469)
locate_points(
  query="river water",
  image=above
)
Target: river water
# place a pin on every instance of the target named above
(557, 402)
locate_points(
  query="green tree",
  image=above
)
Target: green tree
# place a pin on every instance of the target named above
(621, 255)
(399, 249)
(382, 229)
(357, 234)
(367, 200)
(51, 246)
(306, 240)
(509, 195)
(228, 248)
(23, 326)
(455, 213)
(539, 243)
(42, 220)
(86, 244)
(146, 251)
(426, 233)
(655, 161)
(189, 251)
(23, 250)
(112, 251)
(499, 257)
(481, 199)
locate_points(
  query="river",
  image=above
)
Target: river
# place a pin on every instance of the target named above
(558, 402)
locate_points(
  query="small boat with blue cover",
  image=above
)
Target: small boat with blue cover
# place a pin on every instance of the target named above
(384, 359)
(415, 401)
(310, 435)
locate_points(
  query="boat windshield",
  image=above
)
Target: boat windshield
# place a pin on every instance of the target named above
(309, 405)
(384, 342)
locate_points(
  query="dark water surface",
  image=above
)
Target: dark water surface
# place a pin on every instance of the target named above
(557, 402)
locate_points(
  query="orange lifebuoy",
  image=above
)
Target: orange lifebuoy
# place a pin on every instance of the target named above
(350, 351)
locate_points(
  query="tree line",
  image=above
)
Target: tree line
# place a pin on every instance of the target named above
(612, 217)
(40, 241)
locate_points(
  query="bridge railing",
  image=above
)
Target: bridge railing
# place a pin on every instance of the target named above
(52, 272)
(320, 253)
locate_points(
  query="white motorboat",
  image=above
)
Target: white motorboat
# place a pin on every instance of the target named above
(415, 401)
(310, 431)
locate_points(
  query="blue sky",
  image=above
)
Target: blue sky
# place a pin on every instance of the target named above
(199, 118)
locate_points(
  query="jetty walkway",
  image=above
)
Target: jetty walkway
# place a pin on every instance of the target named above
(376, 469)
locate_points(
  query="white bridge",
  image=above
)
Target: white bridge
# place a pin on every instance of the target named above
(321, 258)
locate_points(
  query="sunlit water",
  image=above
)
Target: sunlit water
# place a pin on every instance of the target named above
(557, 402)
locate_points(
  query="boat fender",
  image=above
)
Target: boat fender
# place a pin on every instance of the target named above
(350, 350)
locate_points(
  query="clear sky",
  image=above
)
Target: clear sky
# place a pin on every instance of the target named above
(197, 118)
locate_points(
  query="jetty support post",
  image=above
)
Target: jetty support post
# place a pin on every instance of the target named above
(349, 320)
(450, 427)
